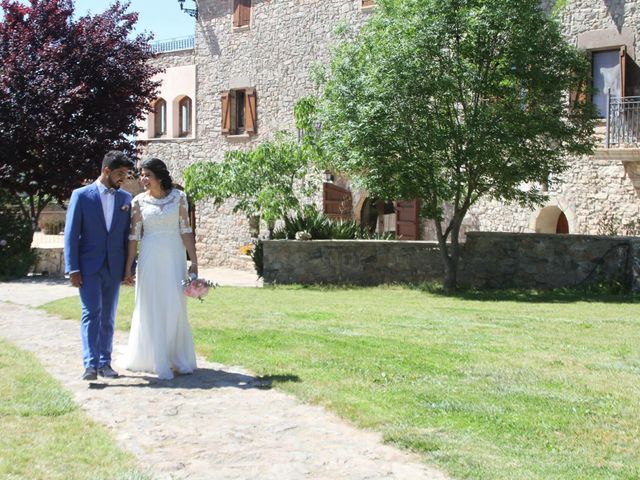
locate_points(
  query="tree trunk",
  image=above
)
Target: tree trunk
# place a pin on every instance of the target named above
(450, 275)
(271, 225)
(450, 253)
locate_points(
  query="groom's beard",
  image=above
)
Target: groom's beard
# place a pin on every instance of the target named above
(112, 184)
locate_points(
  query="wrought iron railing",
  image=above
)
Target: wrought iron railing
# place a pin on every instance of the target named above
(173, 44)
(623, 122)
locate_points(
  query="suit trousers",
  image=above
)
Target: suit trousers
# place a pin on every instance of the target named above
(99, 298)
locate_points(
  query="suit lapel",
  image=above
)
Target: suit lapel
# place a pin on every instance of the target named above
(117, 204)
(98, 205)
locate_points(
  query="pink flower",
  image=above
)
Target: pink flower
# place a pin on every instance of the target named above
(197, 288)
(3, 243)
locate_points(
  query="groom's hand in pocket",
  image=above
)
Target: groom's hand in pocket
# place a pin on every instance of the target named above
(76, 279)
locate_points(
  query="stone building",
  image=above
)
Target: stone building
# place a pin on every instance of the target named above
(599, 192)
(235, 84)
(250, 62)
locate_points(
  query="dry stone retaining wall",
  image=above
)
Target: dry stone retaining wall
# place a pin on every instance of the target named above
(490, 260)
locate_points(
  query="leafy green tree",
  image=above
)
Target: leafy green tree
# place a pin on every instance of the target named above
(267, 182)
(450, 101)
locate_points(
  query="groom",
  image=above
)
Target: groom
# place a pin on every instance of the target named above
(95, 247)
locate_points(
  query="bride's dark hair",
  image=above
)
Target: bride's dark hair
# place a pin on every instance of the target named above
(159, 169)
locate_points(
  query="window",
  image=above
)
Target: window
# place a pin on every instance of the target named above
(606, 77)
(613, 71)
(239, 114)
(184, 109)
(241, 13)
(159, 118)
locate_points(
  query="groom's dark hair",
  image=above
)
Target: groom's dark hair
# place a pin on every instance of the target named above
(116, 159)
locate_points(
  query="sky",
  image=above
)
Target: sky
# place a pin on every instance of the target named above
(161, 17)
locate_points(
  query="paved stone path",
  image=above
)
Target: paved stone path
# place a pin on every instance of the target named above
(219, 423)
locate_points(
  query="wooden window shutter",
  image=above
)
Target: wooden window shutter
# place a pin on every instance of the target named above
(336, 202)
(237, 7)
(241, 13)
(250, 112)
(408, 219)
(623, 71)
(246, 13)
(226, 113)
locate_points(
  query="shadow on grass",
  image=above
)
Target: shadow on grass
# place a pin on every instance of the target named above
(201, 379)
(601, 294)
(560, 295)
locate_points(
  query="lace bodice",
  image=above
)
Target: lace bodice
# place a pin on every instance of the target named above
(152, 216)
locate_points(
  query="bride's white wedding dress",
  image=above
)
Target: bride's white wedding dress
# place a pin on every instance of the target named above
(160, 339)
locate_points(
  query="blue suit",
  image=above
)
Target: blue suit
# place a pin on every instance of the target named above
(100, 257)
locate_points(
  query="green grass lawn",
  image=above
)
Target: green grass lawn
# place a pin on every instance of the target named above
(45, 436)
(504, 386)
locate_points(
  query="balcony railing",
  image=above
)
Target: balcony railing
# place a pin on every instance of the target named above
(623, 122)
(173, 44)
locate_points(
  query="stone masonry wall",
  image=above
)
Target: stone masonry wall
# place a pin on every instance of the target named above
(592, 190)
(275, 55)
(360, 262)
(490, 260)
(508, 260)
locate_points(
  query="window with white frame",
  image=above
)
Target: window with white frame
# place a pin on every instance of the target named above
(159, 118)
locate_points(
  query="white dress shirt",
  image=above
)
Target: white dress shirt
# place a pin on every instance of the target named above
(108, 200)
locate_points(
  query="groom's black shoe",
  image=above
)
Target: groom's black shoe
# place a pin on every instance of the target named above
(90, 374)
(108, 372)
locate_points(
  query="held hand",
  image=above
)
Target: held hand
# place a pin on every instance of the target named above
(194, 269)
(76, 279)
(129, 276)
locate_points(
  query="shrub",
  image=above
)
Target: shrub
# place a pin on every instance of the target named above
(16, 254)
(257, 255)
(321, 227)
(613, 225)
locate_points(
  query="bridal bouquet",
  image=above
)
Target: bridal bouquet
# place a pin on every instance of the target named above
(197, 287)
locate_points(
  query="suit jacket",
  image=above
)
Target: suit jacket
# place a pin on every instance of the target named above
(87, 243)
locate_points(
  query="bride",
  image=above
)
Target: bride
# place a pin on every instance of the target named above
(160, 340)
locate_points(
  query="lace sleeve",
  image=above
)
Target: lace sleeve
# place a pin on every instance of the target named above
(135, 233)
(185, 227)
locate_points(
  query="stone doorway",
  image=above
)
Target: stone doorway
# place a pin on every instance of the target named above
(552, 220)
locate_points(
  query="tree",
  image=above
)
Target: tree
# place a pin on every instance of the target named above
(450, 101)
(70, 90)
(267, 182)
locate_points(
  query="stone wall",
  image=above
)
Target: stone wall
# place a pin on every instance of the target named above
(509, 260)
(360, 262)
(50, 261)
(592, 190)
(490, 260)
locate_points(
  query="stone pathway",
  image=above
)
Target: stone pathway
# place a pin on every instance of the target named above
(219, 423)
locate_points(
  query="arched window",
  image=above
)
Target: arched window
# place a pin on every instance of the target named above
(160, 117)
(184, 107)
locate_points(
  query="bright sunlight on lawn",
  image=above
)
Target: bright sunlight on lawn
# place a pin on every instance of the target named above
(45, 436)
(509, 386)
